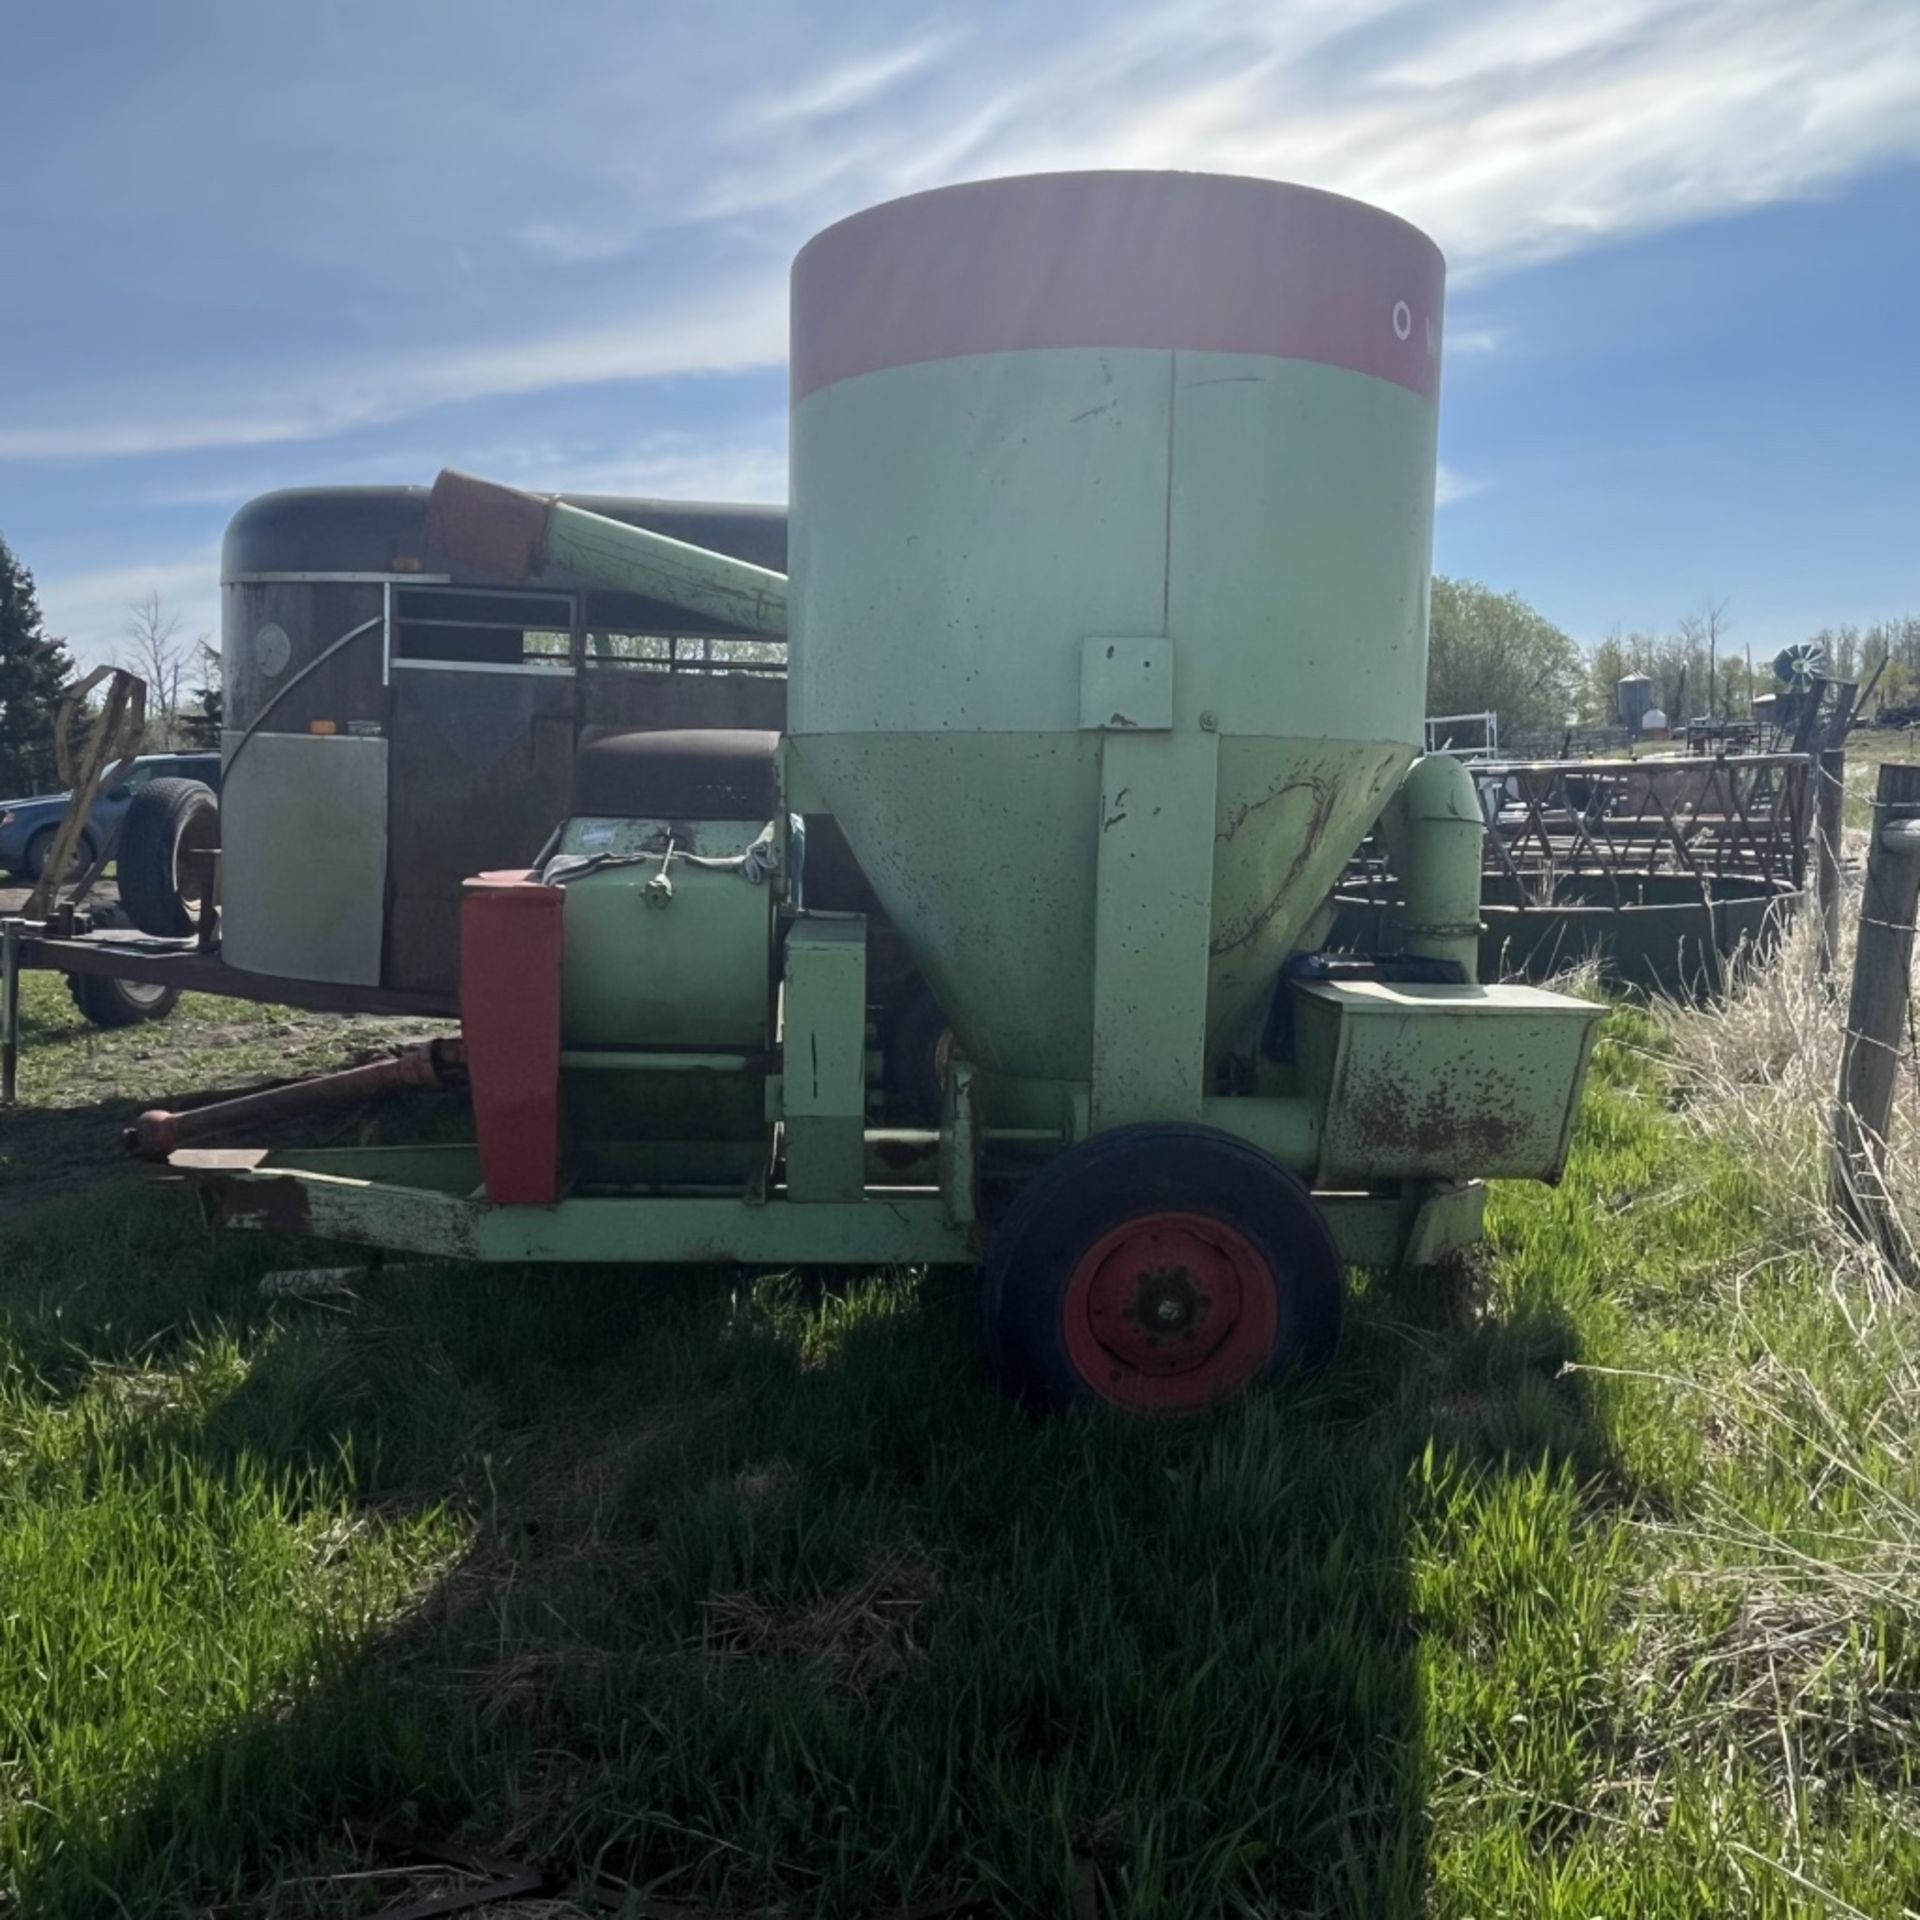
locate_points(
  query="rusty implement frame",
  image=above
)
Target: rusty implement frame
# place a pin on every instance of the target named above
(112, 739)
(430, 1065)
(1743, 817)
(427, 1200)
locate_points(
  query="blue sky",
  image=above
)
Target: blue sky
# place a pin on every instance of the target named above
(249, 245)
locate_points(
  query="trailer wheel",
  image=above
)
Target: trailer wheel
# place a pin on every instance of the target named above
(120, 1003)
(165, 820)
(1159, 1269)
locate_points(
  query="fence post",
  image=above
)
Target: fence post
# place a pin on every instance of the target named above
(1829, 826)
(1877, 1008)
(10, 931)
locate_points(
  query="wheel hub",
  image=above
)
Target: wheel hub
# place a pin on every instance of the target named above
(1170, 1311)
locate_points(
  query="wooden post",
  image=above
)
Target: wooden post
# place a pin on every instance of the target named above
(1877, 1009)
(1829, 825)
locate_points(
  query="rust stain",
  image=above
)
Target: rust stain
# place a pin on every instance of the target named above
(1429, 1130)
(1325, 792)
(495, 530)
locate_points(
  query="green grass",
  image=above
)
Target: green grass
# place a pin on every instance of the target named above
(1566, 1591)
(79, 1084)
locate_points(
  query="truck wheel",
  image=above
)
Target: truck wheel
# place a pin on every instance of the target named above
(1158, 1269)
(165, 820)
(120, 1003)
(40, 851)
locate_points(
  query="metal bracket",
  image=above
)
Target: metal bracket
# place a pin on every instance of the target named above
(1126, 686)
(1153, 922)
(824, 1058)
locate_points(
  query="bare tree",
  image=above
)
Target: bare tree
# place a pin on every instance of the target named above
(159, 658)
(1702, 637)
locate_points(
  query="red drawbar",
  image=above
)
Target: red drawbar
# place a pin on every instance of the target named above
(510, 1012)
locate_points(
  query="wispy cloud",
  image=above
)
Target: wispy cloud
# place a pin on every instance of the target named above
(1513, 130)
(1450, 485)
(841, 88)
(732, 333)
(90, 610)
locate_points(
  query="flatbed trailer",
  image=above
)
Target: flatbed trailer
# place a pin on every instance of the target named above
(118, 953)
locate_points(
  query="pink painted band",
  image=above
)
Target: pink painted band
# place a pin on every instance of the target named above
(1202, 261)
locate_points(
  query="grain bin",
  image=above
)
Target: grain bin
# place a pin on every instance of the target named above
(1110, 527)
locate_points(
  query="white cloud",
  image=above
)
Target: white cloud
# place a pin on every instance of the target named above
(90, 610)
(1513, 130)
(840, 89)
(1450, 486)
(741, 329)
(671, 466)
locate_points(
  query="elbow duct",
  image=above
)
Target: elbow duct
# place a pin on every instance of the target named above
(1434, 835)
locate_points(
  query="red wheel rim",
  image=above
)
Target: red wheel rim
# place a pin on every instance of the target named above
(1170, 1312)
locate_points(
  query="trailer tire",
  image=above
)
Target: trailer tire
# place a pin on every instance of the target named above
(164, 820)
(113, 1004)
(1158, 1269)
(120, 1003)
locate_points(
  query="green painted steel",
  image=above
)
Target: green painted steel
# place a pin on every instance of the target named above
(823, 1051)
(600, 552)
(1435, 1081)
(1436, 833)
(661, 952)
(347, 1197)
(1153, 908)
(962, 528)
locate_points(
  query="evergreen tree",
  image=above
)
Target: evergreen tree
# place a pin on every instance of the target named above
(33, 669)
(200, 723)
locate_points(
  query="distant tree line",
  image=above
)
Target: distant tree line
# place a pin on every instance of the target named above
(1487, 651)
(1491, 650)
(183, 682)
(34, 667)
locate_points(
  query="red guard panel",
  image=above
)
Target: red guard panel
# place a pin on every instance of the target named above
(510, 927)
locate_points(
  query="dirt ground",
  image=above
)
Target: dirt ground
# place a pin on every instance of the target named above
(13, 897)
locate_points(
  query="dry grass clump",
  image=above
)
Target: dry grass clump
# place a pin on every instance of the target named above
(1758, 1075)
(852, 1637)
(1782, 1636)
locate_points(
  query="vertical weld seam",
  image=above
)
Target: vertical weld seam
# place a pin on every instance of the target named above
(1166, 567)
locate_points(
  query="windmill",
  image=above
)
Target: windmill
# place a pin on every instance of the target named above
(1797, 673)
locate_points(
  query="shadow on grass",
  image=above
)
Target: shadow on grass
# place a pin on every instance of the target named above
(767, 1597)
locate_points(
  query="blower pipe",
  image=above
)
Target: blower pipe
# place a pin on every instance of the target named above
(514, 536)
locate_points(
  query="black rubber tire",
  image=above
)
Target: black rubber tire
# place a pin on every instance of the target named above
(915, 1084)
(120, 1003)
(40, 851)
(1092, 1189)
(164, 818)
